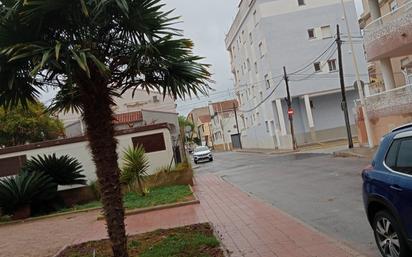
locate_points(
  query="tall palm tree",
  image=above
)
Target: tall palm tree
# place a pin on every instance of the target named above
(91, 51)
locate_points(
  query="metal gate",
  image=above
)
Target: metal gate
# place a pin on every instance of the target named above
(236, 143)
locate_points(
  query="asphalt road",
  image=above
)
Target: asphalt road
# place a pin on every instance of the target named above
(320, 190)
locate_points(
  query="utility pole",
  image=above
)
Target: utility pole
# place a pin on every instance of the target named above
(344, 104)
(358, 81)
(237, 125)
(290, 110)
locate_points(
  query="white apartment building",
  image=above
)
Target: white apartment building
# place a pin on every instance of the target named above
(299, 34)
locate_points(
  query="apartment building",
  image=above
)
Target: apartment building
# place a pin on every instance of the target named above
(224, 125)
(387, 26)
(300, 35)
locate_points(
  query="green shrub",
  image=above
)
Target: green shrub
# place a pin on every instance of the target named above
(25, 189)
(95, 187)
(64, 170)
(135, 166)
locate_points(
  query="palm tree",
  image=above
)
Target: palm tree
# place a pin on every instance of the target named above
(91, 51)
(135, 166)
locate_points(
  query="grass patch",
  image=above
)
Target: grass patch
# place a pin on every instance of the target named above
(156, 196)
(190, 241)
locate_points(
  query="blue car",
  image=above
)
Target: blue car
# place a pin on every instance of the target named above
(387, 193)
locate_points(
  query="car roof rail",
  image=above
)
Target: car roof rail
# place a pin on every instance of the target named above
(409, 125)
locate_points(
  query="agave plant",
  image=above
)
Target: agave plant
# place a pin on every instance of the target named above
(25, 189)
(135, 166)
(64, 170)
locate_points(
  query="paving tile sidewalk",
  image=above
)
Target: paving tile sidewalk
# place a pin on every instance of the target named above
(247, 227)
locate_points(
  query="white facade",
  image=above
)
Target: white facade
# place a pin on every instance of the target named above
(80, 150)
(267, 35)
(223, 126)
(127, 103)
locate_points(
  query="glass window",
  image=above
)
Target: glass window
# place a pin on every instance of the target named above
(317, 67)
(391, 156)
(311, 33)
(301, 2)
(404, 160)
(332, 65)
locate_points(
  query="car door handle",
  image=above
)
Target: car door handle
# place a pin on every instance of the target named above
(396, 187)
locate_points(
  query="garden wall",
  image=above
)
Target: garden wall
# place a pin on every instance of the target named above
(155, 138)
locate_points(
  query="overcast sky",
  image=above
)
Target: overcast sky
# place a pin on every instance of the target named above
(206, 22)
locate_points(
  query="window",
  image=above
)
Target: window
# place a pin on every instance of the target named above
(11, 165)
(332, 65)
(399, 157)
(267, 126)
(251, 38)
(256, 67)
(261, 49)
(311, 33)
(317, 66)
(301, 2)
(261, 95)
(393, 5)
(326, 31)
(248, 64)
(267, 81)
(150, 143)
(155, 99)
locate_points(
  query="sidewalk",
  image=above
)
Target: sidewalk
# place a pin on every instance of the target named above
(246, 226)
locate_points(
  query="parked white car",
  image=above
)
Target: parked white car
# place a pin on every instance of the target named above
(202, 153)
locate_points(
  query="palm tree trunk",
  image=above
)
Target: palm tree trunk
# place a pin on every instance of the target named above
(98, 117)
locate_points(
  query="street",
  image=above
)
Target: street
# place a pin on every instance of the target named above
(318, 189)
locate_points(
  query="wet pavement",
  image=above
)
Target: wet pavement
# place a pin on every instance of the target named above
(323, 191)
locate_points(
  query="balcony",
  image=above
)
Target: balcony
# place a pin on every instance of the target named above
(390, 35)
(397, 101)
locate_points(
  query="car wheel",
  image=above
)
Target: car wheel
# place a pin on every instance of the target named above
(388, 236)
(195, 162)
(211, 159)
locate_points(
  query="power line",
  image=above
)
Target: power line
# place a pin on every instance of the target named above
(317, 58)
(264, 100)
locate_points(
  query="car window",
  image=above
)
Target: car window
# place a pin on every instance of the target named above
(404, 160)
(392, 154)
(399, 156)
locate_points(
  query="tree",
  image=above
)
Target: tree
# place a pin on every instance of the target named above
(28, 125)
(91, 51)
(135, 166)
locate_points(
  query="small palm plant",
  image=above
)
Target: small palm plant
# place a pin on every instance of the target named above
(64, 170)
(19, 192)
(135, 166)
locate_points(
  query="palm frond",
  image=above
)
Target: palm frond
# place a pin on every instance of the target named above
(64, 170)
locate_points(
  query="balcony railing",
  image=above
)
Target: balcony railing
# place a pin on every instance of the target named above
(382, 35)
(391, 102)
(396, 14)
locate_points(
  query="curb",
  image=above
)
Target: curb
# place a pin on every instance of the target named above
(347, 155)
(49, 216)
